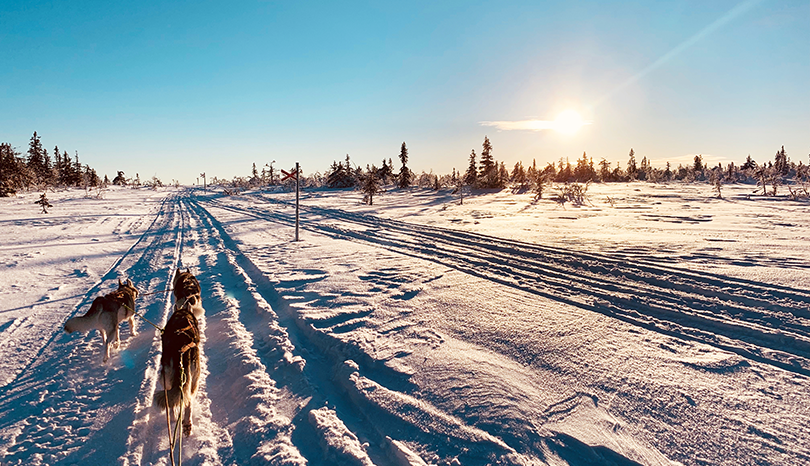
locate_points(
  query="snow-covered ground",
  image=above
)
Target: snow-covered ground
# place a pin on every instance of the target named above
(654, 325)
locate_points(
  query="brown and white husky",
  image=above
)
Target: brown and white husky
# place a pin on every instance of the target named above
(180, 362)
(185, 285)
(106, 313)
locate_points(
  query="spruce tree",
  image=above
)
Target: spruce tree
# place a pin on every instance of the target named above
(698, 166)
(67, 167)
(385, 172)
(749, 164)
(632, 169)
(584, 170)
(780, 163)
(58, 166)
(405, 175)
(120, 179)
(471, 175)
(503, 176)
(36, 161)
(531, 172)
(518, 174)
(488, 171)
(10, 174)
(604, 170)
(644, 170)
(370, 184)
(47, 168)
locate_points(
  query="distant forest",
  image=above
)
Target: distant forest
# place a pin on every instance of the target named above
(38, 170)
(484, 172)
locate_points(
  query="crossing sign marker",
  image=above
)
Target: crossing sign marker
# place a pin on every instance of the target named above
(288, 175)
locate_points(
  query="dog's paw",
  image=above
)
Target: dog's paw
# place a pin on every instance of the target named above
(186, 429)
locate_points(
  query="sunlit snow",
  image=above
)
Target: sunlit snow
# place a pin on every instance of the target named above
(656, 325)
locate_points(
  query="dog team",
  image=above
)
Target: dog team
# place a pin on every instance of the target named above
(180, 361)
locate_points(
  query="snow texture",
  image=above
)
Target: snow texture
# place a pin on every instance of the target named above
(655, 325)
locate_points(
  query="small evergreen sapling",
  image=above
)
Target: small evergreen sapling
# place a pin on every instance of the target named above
(43, 202)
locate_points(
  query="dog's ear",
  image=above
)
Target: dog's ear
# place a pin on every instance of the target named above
(188, 270)
(129, 283)
(119, 282)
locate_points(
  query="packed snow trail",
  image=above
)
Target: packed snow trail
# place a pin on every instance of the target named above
(321, 362)
(762, 322)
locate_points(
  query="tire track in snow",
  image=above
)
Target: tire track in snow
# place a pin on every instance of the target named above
(762, 322)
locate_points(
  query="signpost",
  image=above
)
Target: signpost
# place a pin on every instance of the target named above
(294, 175)
(205, 186)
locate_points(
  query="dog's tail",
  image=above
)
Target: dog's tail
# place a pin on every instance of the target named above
(86, 322)
(169, 396)
(173, 397)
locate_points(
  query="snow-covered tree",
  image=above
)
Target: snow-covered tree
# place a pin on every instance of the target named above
(471, 175)
(488, 169)
(405, 177)
(120, 179)
(370, 184)
(341, 176)
(780, 162)
(632, 169)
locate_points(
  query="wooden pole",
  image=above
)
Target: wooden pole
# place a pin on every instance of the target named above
(297, 176)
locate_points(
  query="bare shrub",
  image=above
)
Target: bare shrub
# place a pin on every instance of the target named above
(574, 193)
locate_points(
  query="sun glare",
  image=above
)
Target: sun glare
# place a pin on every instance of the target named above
(569, 122)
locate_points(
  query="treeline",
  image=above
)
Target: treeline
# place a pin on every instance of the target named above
(487, 173)
(38, 170)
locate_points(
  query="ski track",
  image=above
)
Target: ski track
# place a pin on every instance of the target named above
(762, 322)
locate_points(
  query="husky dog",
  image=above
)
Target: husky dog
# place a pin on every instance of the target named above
(185, 286)
(180, 362)
(106, 313)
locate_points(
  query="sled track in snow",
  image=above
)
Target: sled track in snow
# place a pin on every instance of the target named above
(306, 365)
(759, 321)
(266, 376)
(65, 404)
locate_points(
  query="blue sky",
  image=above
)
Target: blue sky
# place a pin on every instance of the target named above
(175, 88)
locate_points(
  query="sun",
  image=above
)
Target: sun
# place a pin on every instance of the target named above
(569, 122)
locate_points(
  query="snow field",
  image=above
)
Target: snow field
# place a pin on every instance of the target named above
(664, 328)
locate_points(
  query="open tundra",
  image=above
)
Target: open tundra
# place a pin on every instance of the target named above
(654, 325)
